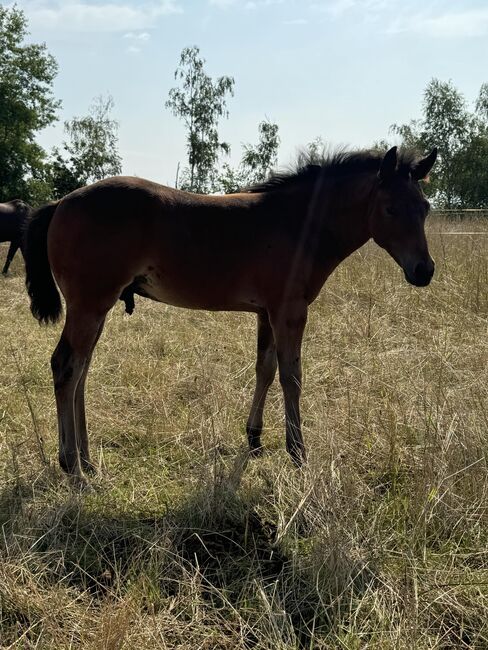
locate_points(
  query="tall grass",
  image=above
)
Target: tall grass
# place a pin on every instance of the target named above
(380, 542)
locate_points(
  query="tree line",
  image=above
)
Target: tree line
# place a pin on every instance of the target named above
(27, 105)
(460, 177)
(89, 151)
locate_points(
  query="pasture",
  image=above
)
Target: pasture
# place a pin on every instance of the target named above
(381, 541)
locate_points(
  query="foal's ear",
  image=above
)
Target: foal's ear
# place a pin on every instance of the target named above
(423, 167)
(388, 164)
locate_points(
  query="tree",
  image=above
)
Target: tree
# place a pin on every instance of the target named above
(63, 177)
(461, 136)
(91, 151)
(471, 186)
(482, 103)
(257, 161)
(471, 181)
(314, 153)
(200, 103)
(231, 179)
(27, 105)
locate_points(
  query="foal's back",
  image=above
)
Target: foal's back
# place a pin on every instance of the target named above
(189, 250)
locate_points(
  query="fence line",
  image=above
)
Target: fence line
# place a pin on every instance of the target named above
(459, 214)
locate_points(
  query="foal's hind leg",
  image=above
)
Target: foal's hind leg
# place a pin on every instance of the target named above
(68, 362)
(265, 373)
(80, 417)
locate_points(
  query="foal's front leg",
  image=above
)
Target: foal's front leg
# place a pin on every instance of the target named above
(265, 373)
(288, 326)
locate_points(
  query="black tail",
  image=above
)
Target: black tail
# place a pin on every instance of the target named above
(44, 295)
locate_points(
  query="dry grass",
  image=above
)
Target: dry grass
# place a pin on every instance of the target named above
(381, 542)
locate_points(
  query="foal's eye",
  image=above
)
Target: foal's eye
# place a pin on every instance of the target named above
(390, 212)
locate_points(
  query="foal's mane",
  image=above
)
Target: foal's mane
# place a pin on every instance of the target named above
(312, 167)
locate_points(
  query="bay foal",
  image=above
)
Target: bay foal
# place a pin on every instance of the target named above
(268, 250)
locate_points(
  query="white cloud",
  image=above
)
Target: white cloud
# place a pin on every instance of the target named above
(80, 16)
(250, 4)
(139, 36)
(296, 21)
(455, 24)
(340, 7)
(136, 40)
(337, 7)
(223, 4)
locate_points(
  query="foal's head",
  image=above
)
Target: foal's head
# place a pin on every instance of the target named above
(398, 215)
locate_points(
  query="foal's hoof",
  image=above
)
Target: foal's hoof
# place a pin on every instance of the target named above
(88, 467)
(81, 484)
(254, 441)
(298, 456)
(256, 452)
(75, 470)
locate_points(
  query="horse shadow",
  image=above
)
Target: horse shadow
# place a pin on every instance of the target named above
(215, 538)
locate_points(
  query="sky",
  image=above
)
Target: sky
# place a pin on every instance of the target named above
(342, 70)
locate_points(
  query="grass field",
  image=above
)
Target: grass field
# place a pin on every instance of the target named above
(380, 542)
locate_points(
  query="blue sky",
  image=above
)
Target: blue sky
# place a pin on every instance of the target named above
(344, 70)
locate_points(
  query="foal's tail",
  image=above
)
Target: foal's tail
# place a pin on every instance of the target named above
(44, 295)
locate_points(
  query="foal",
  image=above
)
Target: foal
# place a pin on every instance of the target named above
(268, 250)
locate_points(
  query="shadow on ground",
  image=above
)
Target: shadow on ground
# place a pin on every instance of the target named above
(214, 549)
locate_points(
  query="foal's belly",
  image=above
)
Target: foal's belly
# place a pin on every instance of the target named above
(196, 291)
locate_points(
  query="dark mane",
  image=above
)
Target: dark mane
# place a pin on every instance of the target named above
(310, 167)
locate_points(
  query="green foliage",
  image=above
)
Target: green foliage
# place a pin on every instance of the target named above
(258, 160)
(63, 177)
(460, 176)
(381, 146)
(40, 189)
(482, 102)
(471, 185)
(256, 163)
(313, 153)
(200, 102)
(91, 150)
(27, 105)
(231, 179)
(471, 182)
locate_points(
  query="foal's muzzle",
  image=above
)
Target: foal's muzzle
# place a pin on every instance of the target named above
(421, 274)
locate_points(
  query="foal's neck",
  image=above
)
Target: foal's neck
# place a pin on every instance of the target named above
(349, 203)
(335, 216)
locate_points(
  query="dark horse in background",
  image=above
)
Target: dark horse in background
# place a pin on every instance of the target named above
(14, 217)
(267, 250)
